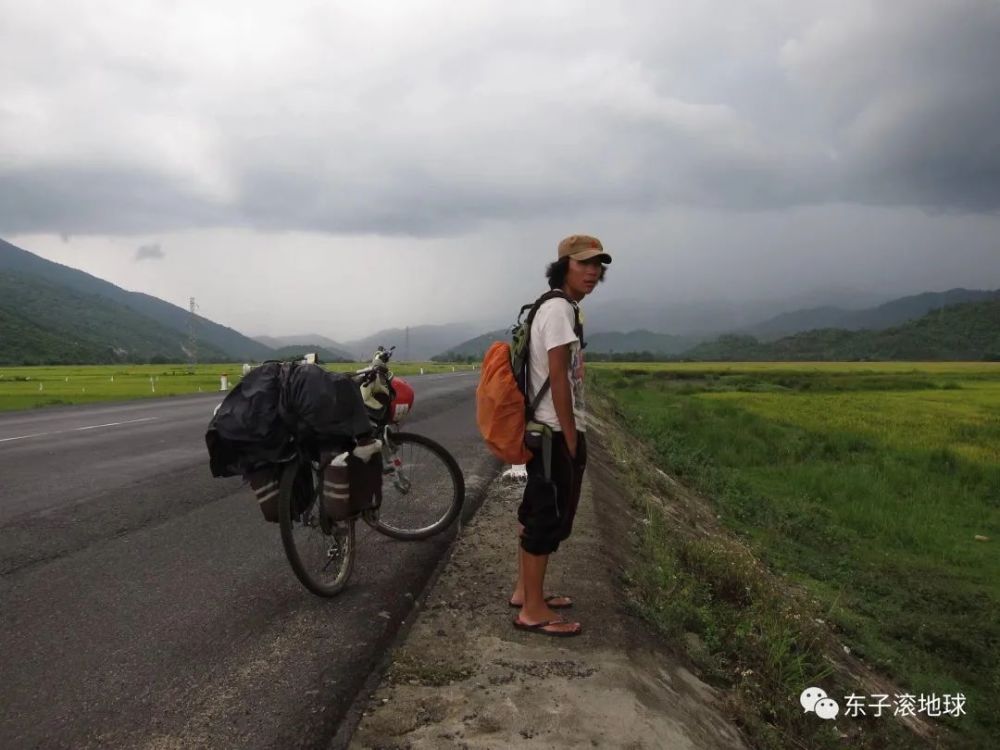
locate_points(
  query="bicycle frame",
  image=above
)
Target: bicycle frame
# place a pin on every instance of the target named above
(379, 371)
(392, 463)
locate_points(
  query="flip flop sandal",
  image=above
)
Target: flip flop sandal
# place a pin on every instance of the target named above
(548, 600)
(539, 627)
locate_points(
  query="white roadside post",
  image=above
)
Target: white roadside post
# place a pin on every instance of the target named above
(224, 382)
(152, 384)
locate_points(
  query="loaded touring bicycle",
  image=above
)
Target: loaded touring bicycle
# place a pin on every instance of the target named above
(322, 450)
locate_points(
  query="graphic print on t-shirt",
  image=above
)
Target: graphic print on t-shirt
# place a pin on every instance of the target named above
(576, 379)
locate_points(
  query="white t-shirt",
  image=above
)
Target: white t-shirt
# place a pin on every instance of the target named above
(554, 326)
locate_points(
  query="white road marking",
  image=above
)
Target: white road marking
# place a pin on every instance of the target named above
(79, 429)
(113, 424)
(23, 437)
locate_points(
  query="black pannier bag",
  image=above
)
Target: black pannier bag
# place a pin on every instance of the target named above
(351, 486)
(366, 483)
(264, 483)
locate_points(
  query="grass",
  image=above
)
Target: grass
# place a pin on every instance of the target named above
(862, 486)
(39, 387)
(973, 369)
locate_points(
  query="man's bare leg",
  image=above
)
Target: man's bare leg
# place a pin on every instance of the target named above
(517, 598)
(535, 608)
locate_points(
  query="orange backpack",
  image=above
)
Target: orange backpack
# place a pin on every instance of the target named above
(502, 407)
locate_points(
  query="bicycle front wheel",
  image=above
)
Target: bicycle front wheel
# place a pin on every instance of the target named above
(422, 492)
(320, 551)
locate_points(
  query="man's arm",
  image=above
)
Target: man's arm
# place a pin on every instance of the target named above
(562, 397)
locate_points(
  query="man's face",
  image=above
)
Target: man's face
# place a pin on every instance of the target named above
(583, 276)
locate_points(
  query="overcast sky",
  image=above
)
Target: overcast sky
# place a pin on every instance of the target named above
(339, 168)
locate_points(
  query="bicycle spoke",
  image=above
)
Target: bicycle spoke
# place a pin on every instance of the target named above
(321, 560)
(425, 490)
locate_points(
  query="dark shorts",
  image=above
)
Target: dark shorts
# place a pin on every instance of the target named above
(547, 509)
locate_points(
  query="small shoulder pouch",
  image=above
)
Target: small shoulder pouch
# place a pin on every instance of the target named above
(538, 437)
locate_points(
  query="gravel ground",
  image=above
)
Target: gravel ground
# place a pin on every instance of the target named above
(464, 678)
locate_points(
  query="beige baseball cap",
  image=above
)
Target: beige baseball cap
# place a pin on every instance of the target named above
(582, 247)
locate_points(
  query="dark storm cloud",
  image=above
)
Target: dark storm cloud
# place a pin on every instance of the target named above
(913, 98)
(72, 200)
(757, 106)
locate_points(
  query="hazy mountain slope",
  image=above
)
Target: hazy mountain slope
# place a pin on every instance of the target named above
(324, 354)
(216, 337)
(424, 341)
(48, 323)
(891, 313)
(968, 331)
(303, 341)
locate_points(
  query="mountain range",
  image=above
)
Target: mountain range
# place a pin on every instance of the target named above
(327, 349)
(886, 315)
(604, 342)
(52, 314)
(415, 344)
(46, 323)
(713, 316)
(168, 325)
(967, 331)
(893, 313)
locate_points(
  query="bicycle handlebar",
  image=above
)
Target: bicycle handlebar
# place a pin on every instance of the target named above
(380, 363)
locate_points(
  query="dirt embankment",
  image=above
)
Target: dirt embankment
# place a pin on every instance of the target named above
(464, 678)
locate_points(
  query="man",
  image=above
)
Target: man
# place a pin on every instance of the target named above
(556, 354)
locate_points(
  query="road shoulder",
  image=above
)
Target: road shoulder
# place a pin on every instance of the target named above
(464, 677)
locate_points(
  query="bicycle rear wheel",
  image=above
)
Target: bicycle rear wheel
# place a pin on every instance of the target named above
(320, 551)
(422, 492)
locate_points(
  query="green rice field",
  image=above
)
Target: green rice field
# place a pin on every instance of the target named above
(873, 488)
(38, 387)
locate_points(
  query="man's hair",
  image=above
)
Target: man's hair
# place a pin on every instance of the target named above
(556, 273)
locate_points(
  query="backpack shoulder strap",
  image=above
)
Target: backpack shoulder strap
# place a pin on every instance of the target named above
(577, 328)
(553, 294)
(534, 306)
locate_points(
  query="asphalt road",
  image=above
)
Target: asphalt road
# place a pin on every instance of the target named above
(144, 604)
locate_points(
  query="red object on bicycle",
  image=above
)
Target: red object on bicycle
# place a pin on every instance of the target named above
(402, 403)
